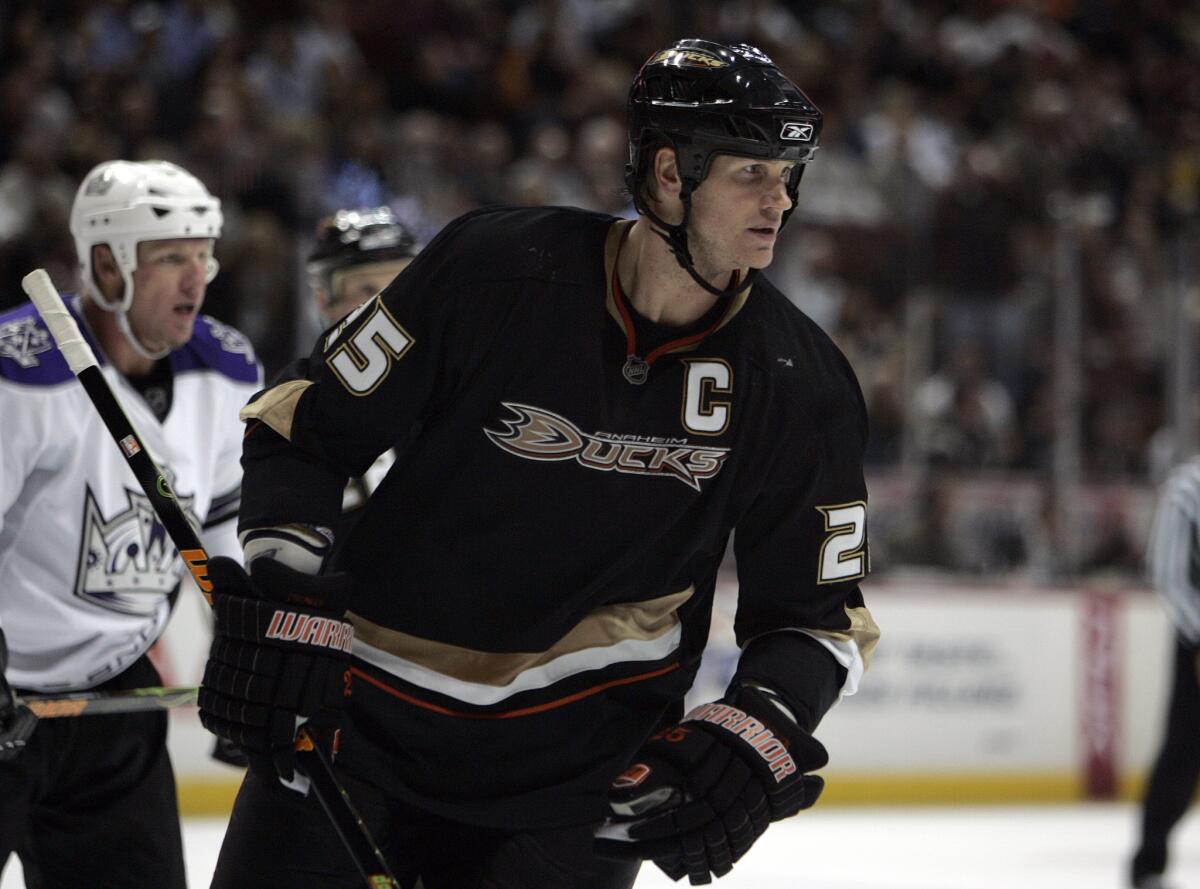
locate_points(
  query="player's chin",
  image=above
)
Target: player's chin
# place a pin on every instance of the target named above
(179, 333)
(759, 258)
(756, 251)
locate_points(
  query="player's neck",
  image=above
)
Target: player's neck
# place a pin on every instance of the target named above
(117, 350)
(654, 282)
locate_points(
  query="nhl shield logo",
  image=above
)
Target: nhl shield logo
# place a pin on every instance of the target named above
(796, 131)
(635, 370)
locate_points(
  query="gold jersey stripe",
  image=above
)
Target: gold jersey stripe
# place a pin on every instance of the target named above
(277, 407)
(543, 707)
(864, 631)
(604, 627)
(852, 644)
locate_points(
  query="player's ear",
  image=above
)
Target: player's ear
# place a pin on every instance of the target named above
(106, 272)
(666, 185)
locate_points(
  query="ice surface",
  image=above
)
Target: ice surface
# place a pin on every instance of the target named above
(1044, 847)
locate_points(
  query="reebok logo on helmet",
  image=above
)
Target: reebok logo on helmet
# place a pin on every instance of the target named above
(798, 132)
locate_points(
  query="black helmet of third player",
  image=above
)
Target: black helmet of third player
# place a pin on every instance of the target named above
(702, 98)
(356, 237)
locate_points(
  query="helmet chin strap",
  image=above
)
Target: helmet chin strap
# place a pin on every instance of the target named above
(120, 308)
(677, 243)
(131, 337)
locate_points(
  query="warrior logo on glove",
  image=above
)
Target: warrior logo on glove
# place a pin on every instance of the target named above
(760, 738)
(700, 793)
(307, 629)
(281, 646)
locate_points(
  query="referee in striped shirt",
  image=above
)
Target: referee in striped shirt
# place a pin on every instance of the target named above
(1173, 560)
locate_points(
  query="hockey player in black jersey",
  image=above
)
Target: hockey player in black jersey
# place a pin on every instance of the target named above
(585, 409)
(357, 253)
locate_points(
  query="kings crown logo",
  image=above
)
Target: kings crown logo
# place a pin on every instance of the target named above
(127, 563)
(230, 340)
(23, 340)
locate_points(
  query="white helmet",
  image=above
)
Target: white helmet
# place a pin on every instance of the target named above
(121, 203)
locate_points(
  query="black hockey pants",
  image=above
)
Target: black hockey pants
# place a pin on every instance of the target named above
(91, 800)
(278, 838)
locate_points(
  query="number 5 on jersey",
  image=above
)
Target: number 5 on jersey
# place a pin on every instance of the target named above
(843, 554)
(364, 360)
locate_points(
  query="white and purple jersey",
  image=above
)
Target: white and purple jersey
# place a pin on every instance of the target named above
(86, 568)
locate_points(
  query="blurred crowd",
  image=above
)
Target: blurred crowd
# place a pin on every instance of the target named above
(981, 162)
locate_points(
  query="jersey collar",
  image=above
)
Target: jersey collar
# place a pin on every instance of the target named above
(637, 365)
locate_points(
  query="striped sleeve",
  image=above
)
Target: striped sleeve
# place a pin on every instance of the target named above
(1173, 555)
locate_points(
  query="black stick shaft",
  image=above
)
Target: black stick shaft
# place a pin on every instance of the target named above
(336, 802)
(149, 476)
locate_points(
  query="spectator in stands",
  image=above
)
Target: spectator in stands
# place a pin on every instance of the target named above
(950, 131)
(965, 417)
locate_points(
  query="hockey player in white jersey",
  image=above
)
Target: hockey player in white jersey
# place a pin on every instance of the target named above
(87, 573)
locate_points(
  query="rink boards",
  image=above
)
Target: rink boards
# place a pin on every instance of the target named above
(973, 695)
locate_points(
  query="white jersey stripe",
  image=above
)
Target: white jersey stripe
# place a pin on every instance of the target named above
(541, 676)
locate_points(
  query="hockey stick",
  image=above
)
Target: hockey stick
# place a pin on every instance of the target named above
(330, 794)
(100, 703)
(78, 353)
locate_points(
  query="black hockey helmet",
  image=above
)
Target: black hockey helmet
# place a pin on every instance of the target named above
(354, 237)
(701, 98)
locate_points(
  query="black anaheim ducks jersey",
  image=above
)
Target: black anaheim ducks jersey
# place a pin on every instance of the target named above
(534, 576)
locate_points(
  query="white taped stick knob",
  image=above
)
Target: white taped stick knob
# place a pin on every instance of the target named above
(74, 347)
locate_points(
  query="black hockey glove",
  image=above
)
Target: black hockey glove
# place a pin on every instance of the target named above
(17, 721)
(700, 793)
(229, 753)
(279, 656)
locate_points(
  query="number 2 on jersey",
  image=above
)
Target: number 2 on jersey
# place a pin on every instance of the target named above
(843, 554)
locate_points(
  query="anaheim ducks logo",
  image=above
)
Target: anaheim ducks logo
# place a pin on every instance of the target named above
(537, 434)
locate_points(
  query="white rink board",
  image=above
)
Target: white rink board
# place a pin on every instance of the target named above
(964, 683)
(1148, 654)
(981, 681)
